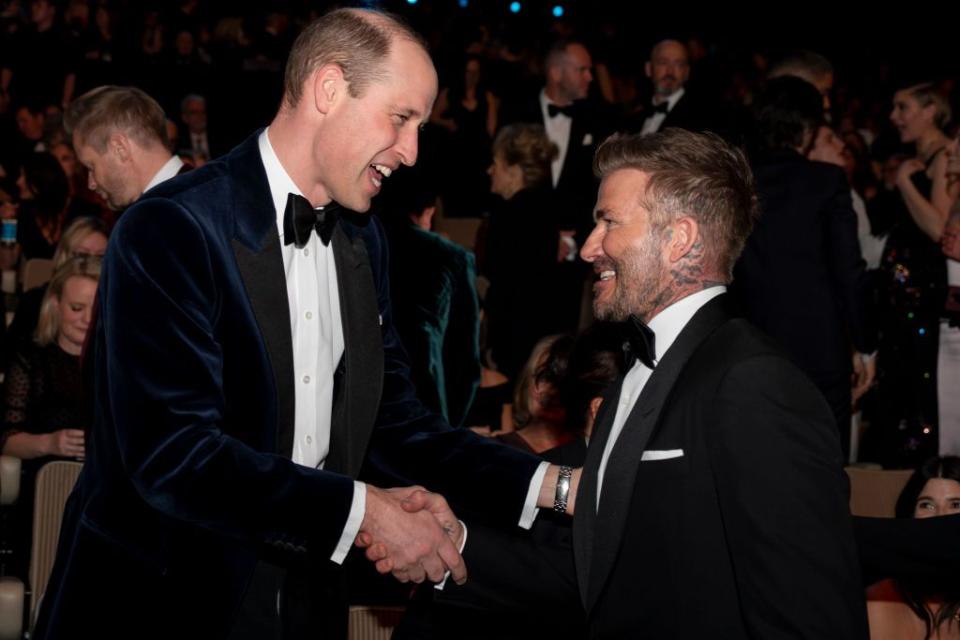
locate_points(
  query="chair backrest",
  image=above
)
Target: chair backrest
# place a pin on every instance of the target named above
(874, 492)
(373, 623)
(36, 272)
(54, 483)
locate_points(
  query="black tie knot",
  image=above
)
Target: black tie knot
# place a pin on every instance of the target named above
(553, 110)
(300, 218)
(663, 107)
(640, 343)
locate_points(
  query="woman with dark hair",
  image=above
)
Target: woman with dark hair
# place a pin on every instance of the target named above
(521, 245)
(917, 397)
(46, 206)
(909, 610)
(538, 413)
(467, 111)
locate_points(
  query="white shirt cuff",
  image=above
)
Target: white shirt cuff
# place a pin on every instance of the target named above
(350, 530)
(463, 543)
(530, 510)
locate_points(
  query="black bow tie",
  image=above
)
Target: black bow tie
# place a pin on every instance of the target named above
(553, 110)
(299, 218)
(663, 107)
(640, 344)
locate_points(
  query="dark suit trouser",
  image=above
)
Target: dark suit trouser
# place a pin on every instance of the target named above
(297, 603)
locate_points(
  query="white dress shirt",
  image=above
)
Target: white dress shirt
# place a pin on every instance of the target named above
(317, 333)
(666, 326)
(653, 121)
(558, 130)
(170, 168)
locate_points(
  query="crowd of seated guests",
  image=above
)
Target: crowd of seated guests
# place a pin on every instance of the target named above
(43, 416)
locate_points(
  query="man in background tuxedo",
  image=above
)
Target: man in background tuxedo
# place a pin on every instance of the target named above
(119, 135)
(247, 371)
(672, 105)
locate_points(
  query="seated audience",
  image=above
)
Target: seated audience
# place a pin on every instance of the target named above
(43, 396)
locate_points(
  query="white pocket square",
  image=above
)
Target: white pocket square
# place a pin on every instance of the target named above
(587, 139)
(665, 454)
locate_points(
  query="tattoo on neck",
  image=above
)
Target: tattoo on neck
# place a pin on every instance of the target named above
(686, 278)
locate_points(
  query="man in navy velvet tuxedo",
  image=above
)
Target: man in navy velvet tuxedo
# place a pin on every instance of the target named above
(247, 371)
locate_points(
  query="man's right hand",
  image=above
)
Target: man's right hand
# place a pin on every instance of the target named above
(413, 546)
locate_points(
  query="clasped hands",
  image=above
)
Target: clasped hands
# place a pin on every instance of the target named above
(413, 534)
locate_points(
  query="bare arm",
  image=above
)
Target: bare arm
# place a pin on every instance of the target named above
(929, 215)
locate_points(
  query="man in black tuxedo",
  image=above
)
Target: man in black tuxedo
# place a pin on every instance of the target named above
(672, 105)
(801, 278)
(713, 502)
(572, 122)
(247, 371)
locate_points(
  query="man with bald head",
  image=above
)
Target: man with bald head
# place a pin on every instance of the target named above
(671, 105)
(247, 367)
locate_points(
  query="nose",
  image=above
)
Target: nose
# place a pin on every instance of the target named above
(593, 247)
(91, 183)
(407, 146)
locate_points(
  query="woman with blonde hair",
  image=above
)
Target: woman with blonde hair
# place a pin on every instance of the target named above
(919, 359)
(43, 402)
(84, 237)
(521, 247)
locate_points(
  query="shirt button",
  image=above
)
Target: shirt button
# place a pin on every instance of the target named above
(308, 315)
(306, 252)
(309, 440)
(306, 379)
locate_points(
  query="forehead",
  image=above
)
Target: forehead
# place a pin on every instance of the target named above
(411, 79)
(577, 55)
(669, 52)
(621, 193)
(941, 487)
(904, 97)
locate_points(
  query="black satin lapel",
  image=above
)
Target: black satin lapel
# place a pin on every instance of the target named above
(620, 476)
(585, 516)
(357, 403)
(265, 282)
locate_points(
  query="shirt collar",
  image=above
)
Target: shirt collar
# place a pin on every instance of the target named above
(170, 168)
(668, 324)
(280, 182)
(674, 98)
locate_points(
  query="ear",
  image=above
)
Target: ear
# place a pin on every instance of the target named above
(648, 69)
(120, 145)
(684, 236)
(329, 86)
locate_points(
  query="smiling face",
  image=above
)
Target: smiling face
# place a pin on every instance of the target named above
(910, 118)
(368, 137)
(939, 497)
(624, 249)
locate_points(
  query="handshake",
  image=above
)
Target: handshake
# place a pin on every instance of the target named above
(413, 534)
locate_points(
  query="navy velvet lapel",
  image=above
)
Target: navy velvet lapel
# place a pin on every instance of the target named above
(598, 533)
(256, 245)
(358, 400)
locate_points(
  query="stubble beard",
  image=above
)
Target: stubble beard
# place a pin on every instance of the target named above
(641, 276)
